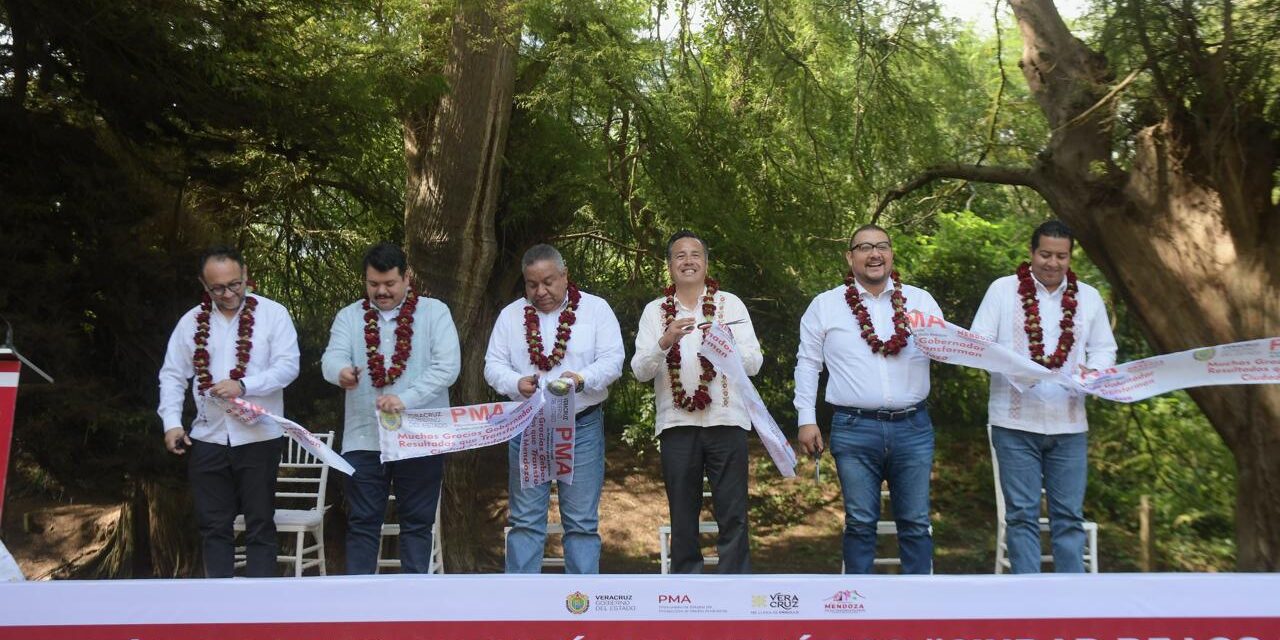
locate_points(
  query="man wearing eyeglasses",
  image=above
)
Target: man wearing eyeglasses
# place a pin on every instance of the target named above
(877, 385)
(234, 344)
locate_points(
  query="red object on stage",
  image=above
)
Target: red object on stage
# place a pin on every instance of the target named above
(10, 366)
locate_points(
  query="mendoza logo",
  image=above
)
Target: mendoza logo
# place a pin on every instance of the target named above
(577, 603)
(1203, 355)
(845, 601)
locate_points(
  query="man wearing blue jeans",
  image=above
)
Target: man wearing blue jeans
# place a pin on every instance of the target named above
(1040, 433)
(556, 331)
(878, 383)
(390, 351)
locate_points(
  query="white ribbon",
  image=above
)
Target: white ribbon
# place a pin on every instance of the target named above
(250, 413)
(719, 348)
(544, 421)
(1249, 362)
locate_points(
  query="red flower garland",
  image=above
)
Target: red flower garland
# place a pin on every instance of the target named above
(379, 374)
(901, 324)
(533, 335)
(244, 341)
(700, 399)
(1031, 311)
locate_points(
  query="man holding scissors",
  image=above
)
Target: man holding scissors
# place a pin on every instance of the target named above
(701, 424)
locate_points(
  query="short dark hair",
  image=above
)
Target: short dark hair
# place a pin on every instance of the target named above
(1052, 229)
(385, 256)
(870, 226)
(685, 233)
(220, 252)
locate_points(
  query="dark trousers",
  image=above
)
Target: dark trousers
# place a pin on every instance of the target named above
(416, 482)
(720, 453)
(227, 481)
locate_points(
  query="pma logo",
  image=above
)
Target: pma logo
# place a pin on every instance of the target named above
(845, 601)
(577, 603)
(1203, 355)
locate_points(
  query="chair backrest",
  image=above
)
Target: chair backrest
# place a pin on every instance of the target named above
(995, 474)
(303, 478)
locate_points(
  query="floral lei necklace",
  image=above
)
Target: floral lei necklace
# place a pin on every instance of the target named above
(901, 325)
(1031, 310)
(564, 330)
(700, 399)
(244, 340)
(379, 374)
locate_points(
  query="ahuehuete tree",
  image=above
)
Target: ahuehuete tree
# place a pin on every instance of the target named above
(1168, 178)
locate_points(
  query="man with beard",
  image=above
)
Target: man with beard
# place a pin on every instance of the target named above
(1041, 435)
(588, 352)
(878, 383)
(235, 344)
(392, 350)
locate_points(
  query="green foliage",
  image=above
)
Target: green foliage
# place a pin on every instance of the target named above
(135, 133)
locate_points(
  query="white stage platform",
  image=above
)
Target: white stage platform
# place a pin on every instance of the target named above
(791, 607)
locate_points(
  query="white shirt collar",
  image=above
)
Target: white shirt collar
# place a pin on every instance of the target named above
(862, 291)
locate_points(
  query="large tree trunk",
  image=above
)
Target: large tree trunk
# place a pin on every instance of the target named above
(1187, 234)
(454, 151)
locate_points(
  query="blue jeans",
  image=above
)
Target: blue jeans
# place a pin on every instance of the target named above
(1060, 464)
(416, 482)
(579, 505)
(867, 452)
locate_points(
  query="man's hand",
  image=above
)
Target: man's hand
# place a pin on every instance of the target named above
(528, 385)
(227, 389)
(349, 377)
(577, 380)
(390, 404)
(676, 330)
(176, 440)
(811, 440)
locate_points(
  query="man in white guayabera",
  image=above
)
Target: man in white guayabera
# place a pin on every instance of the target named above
(702, 423)
(1040, 435)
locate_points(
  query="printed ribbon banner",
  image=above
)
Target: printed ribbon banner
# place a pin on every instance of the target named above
(546, 447)
(544, 422)
(719, 348)
(1249, 362)
(250, 413)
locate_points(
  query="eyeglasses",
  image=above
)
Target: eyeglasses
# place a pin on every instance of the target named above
(867, 247)
(222, 289)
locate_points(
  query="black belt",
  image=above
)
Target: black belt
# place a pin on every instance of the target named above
(585, 412)
(883, 415)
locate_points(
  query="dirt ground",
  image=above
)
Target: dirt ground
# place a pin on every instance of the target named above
(796, 524)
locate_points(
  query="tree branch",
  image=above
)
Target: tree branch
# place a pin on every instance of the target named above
(1115, 91)
(596, 235)
(1017, 176)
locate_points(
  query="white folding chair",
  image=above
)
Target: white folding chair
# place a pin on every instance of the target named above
(388, 554)
(1002, 545)
(554, 528)
(704, 528)
(301, 482)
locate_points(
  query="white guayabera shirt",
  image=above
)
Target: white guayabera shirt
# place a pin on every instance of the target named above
(650, 363)
(1047, 407)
